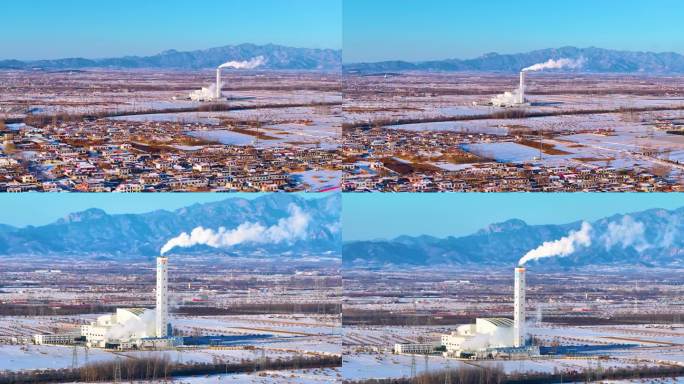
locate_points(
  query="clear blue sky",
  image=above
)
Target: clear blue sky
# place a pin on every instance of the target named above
(43, 208)
(388, 215)
(36, 29)
(437, 29)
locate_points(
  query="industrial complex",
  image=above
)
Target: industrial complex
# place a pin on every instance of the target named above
(512, 99)
(487, 338)
(127, 328)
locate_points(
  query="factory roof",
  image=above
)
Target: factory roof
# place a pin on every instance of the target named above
(499, 321)
(135, 311)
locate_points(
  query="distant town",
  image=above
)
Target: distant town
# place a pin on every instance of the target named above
(546, 135)
(100, 138)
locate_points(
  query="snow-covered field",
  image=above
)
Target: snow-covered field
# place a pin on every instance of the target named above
(21, 357)
(650, 346)
(284, 126)
(307, 376)
(300, 376)
(288, 336)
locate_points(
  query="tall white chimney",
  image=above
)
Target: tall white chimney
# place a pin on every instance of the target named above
(519, 308)
(521, 90)
(218, 84)
(162, 309)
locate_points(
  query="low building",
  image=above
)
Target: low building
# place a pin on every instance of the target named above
(417, 348)
(62, 338)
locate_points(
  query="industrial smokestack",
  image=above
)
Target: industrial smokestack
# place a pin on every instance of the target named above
(521, 90)
(218, 83)
(519, 308)
(162, 310)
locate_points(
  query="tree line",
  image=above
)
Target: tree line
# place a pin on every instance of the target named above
(496, 375)
(161, 367)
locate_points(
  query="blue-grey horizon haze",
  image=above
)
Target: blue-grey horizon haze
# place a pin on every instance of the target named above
(388, 215)
(413, 30)
(45, 29)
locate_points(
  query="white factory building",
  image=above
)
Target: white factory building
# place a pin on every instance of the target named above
(211, 93)
(495, 332)
(127, 328)
(418, 349)
(123, 327)
(515, 98)
(494, 337)
(136, 327)
(204, 94)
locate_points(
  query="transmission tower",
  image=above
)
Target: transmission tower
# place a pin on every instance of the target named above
(85, 362)
(426, 363)
(74, 357)
(117, 370)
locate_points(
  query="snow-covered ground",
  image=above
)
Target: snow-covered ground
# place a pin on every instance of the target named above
(286, 336)
(306, 376)
(20, 357)
(650, 345)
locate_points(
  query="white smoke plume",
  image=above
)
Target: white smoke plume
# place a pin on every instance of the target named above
(133, 328)
(557, 64)
(206, 93)
(506, 99)
(561, 247)
(247, 64)
(625, 233)
(501, 337)
(287, 229)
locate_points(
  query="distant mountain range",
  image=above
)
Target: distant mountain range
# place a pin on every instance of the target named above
(597, 60)
(277, 57)
(94, 233)
(648, 238)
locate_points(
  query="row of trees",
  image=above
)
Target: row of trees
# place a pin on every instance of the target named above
(47, 310)
(159, 368)
(504, 114)
(492, 375)
(40, 120)
(382, 317)
(327, 308)
(496, 375)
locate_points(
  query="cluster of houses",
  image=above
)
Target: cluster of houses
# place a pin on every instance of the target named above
(504, 177)
(106, 155)
(408, 161)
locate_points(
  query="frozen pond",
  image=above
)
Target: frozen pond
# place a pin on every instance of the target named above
(320, 180)
(224, 136)
(506, 152)
(15, 126)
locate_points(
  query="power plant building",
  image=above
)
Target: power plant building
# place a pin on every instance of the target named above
(515, 98)
(136, 327)
(487, 337)
(211, 93)
(124, 326)
(485, 333)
